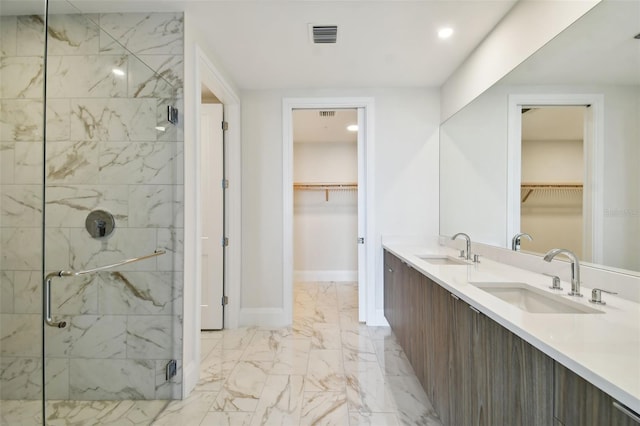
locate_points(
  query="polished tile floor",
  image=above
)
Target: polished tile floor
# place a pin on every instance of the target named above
(327, 369)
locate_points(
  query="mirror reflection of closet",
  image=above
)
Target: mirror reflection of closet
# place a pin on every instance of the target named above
(552, 178)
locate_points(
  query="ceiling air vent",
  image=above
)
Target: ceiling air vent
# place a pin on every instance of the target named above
(324, 34)
(327, 113)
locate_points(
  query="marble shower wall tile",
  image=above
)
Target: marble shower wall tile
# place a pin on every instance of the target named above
(129, 293)
(69, 34)
(8, 34)
(139, 163)
(113, 119)
(7, 160)
(87, 76)
(18, 332)
(141, 33)
(22, 77)
(69, 205)
(158, 206)
(103, 152)
(104, 379)
(7, 279)
(20, 205)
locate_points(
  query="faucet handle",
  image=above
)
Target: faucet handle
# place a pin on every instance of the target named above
(596, 296)
(555, 283)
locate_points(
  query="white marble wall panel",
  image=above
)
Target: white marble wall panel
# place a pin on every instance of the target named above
(74, 295)
(28, 163)
(142, 33)
(21, 120)
(113, 119)
(69, 34)
(20, 205)
(57, 247)
(103, 152)
(27, 292)
(158, 206)
(7, 161)
(8, 41)
(128, 293)
(150, 336)
(126, 243)
(157, 77)
(20, 335)
(69, 205)
(172, 241)
(88, 336)
(22, 77)
(72, 162)
(6, 291)
(138, 163)
(20, 249)
(100, 379)
(87, 76)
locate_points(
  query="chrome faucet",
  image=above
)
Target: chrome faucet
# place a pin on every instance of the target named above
(575, 268)
(515, 241)
(466, 237)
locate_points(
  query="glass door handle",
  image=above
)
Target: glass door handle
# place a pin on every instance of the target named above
(47, 283)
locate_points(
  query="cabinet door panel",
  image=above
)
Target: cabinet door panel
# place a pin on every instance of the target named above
(461, 375)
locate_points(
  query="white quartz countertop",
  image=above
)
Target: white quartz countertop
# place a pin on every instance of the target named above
(603, 348)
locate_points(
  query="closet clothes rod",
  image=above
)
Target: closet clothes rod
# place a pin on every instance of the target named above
(326, 187)
(530, 187)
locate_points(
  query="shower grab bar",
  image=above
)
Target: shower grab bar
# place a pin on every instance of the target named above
(51, 275)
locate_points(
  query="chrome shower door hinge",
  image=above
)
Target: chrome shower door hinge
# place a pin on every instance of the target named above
(172, 114)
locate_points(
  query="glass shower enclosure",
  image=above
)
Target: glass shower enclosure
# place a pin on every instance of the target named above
(91, 210)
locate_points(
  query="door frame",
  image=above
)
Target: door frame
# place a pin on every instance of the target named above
(366, 292)
(593, 164)
(205, 72)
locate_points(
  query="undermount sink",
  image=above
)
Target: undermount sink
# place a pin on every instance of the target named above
(442, 260)
(532, 299)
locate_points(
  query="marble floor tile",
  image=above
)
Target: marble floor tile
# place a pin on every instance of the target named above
(324, 408)
(280, 402)
(326, 369)
(325, 372)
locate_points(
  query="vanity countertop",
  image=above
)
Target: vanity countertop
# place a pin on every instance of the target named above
(603, 348)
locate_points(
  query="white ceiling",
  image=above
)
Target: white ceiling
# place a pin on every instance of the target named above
(263, 44)
(561, 123)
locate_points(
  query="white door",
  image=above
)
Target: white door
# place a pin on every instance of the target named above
(212, 216)
(362, 228)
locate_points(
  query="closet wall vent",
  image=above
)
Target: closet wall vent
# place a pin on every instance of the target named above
(323, 34)
(327, 113)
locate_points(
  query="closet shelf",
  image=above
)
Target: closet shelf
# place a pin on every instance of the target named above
(326, 187)
(526, 189)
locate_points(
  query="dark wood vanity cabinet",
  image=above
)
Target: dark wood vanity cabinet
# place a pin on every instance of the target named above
(579, 403)
(474, 371)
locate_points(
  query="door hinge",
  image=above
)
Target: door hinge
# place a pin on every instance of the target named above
(225, 183)
(171, 369)
(225, 125)
(361, 240)
(225, 241)
(172, 114)
(225, 300)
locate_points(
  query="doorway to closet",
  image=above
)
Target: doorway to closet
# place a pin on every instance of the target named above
(325, 200)
(334, 204)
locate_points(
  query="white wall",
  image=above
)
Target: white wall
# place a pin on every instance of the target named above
(325, 230)
(406, 179)
(525, 29)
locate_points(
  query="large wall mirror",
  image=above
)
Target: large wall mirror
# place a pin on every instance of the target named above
(553, 149)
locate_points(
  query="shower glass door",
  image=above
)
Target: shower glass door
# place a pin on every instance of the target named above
(91, 177)
(22, 105)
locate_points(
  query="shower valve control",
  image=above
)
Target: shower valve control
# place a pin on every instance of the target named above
(100, 224)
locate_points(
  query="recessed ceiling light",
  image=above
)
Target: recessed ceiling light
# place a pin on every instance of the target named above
(352, 127)
(445, 32)
(118, 72)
